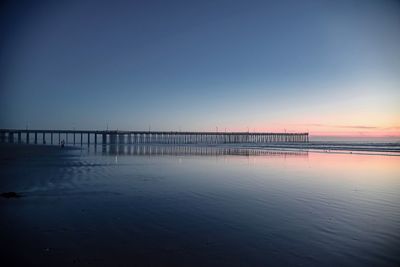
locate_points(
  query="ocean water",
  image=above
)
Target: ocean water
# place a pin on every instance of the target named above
(200, 206)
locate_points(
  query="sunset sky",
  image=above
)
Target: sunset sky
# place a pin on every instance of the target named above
(327, 67)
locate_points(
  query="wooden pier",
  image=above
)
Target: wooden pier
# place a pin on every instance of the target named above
(88, 137)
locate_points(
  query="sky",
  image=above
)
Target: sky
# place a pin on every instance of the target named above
(326, 67)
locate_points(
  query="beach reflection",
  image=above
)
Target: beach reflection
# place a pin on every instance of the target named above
(159, 150)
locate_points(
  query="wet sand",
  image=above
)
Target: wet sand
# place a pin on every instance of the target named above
(163, 208)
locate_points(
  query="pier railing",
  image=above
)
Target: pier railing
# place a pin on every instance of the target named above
(144, 137)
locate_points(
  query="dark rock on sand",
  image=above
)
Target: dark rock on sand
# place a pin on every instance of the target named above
(10, 195)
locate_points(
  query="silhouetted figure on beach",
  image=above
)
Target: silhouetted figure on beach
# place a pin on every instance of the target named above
(62, 143)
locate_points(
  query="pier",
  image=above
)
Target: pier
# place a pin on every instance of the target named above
(106, 137)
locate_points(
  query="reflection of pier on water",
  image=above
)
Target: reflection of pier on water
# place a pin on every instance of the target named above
(185, 150)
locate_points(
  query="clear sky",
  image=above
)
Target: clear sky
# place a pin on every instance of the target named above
(328, 67)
